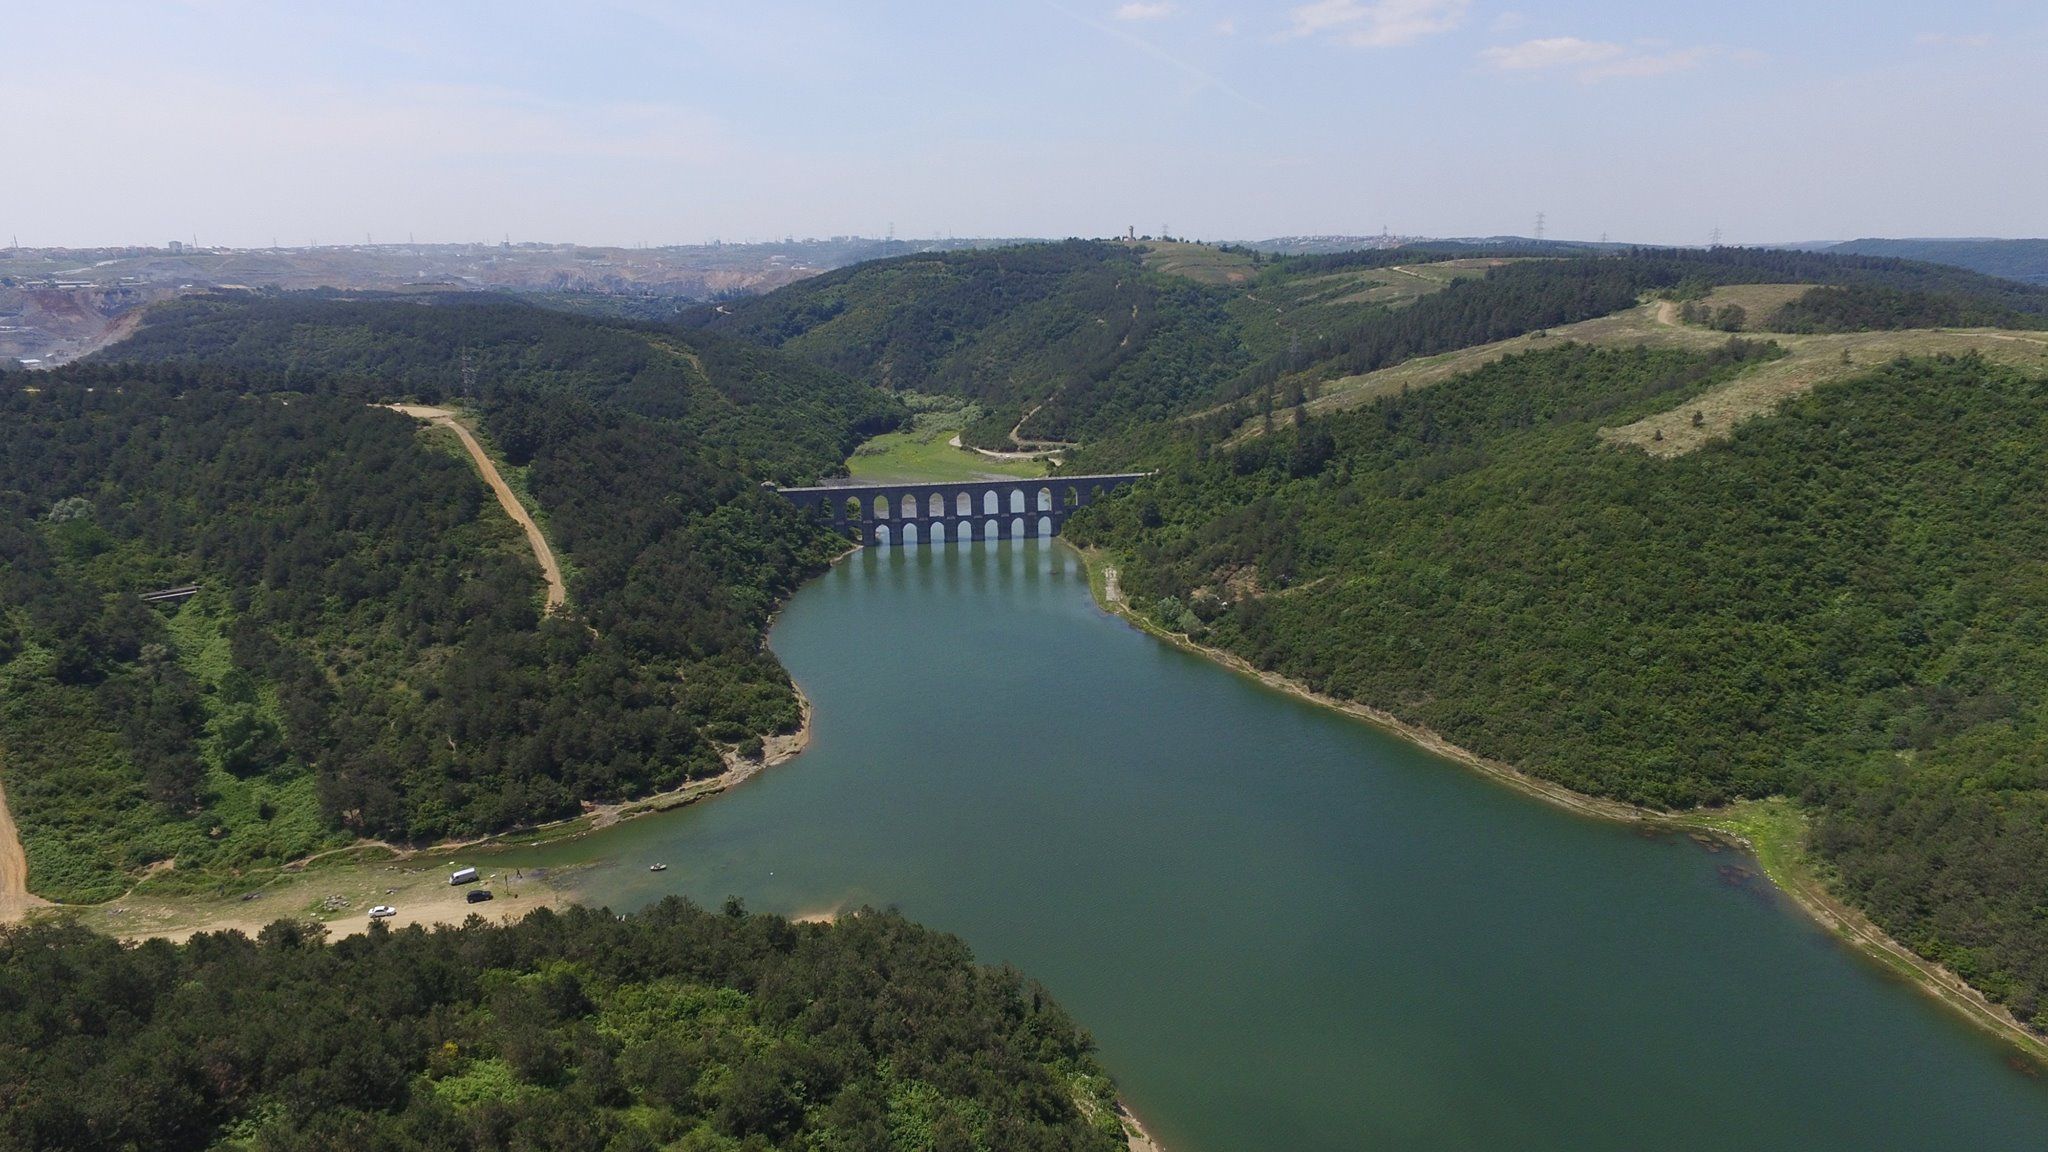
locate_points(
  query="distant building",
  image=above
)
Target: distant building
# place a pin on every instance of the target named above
(176, 246)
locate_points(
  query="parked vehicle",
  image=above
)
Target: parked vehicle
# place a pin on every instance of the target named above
(382, 912)
(479, 895)
(463, 876)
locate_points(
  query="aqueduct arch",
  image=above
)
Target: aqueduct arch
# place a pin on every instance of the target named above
(962, 511)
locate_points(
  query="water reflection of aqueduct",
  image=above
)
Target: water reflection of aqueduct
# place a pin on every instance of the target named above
(955, 512)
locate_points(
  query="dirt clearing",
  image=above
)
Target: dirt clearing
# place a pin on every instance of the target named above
(15, 900)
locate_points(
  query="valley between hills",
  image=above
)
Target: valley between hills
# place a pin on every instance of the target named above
(1735, 542)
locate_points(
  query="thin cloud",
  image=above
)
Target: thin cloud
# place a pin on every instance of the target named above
(1378, 24)
(1592, 60)
(1552, 52)
(1154, 11)
(1156, 52)
(1652, 64)
(1953, 40)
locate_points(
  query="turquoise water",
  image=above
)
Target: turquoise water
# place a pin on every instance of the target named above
(1285, 928)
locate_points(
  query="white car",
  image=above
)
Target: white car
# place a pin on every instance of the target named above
(383, 911)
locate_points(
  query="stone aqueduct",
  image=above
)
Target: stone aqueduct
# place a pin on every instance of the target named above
(955, 512)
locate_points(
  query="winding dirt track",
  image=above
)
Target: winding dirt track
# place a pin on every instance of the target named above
(15, 900)
(558, 592)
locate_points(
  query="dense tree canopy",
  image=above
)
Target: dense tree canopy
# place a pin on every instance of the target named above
(367, 655)
(771, 416)
(2022, 260)
(579, 1032)
(1079, 335)
(1865, 308)
(367, 651)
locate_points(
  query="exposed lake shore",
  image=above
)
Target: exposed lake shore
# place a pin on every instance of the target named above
(1773, 830)
(336, 888)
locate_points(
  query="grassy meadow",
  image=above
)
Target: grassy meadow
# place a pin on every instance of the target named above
(924, 453)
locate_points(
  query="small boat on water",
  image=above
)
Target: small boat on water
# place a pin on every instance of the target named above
(657, 867)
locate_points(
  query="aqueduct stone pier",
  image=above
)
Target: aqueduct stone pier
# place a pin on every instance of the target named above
(955, 511)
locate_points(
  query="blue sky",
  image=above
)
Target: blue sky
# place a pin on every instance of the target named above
(644, 121)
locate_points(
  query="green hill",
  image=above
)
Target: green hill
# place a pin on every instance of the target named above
(1086, 341)
(2023, 260)
(773, 414)
(367, 654)
(1079, 334)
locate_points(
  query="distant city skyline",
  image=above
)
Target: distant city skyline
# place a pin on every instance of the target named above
(242, 124)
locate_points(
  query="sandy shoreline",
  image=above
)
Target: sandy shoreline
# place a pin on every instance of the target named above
(337, 887)
(1795, 878)
(139, 914)
(1138, 1137)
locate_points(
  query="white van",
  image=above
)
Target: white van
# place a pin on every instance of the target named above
(462, 876)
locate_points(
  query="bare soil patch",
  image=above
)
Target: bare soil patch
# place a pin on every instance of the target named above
(15, 898)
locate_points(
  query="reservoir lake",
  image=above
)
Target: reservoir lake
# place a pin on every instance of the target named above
(1287, 929)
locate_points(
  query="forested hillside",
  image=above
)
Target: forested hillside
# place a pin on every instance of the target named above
(2023, 260)
(1078, 333)
(1842, 603)
(1082, 341)
(367, 655)
(772, 415)
(672, 1028)
(1529, 296)
(1865, 308)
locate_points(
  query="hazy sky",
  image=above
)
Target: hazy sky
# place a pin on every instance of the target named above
(640, 120)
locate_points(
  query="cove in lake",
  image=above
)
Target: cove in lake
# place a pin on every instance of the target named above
(1285, 928)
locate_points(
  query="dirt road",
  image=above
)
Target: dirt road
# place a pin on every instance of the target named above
(558, 593)
(15, 900)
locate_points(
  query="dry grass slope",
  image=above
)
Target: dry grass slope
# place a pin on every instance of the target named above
(1202, 263)
(1812, 361)
(1758, 301)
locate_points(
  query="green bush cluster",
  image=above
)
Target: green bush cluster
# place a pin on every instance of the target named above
(1869, 307)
